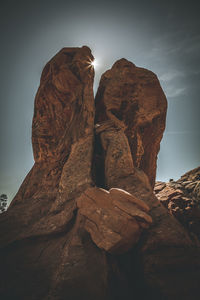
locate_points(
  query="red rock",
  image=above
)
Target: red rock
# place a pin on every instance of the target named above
(40, 232)
(192, 175)
(66, 89)
(60, 236)
(133, 98)
(166, 194)
(114, 219)
(159, 186)
(167, 246)
(181, 200)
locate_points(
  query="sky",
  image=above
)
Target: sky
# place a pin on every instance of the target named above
(163, 36)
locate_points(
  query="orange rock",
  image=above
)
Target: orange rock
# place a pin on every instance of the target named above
(114, 219)
(54, 235)
(133, 98)
(62, 133)
(159, 185)
(181, 198)
(64, 104)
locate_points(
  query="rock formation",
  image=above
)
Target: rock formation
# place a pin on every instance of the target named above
(39, 226)
(182, 199)
(85, 224)
(62, 132)
(114, 219)
(167, 246)
(132, 97)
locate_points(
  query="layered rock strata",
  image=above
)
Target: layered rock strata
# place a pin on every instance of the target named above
(182, 199)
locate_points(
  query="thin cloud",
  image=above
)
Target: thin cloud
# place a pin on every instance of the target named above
(175, 92)
(171, 75)
(176, 43)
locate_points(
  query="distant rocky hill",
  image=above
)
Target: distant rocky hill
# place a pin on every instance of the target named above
(182, 199)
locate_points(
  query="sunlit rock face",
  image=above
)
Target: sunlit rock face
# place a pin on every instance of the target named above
(62, 132)
(85, 224)
(133, 98)
(64, 109)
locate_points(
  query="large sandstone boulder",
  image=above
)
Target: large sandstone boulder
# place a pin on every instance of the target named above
(115, 219)
(133, 98)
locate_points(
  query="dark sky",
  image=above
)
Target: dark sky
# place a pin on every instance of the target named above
(163, 36)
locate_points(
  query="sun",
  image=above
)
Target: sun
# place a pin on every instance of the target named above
(94, 63)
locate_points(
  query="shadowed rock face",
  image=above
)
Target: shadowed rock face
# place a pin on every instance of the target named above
(182, 199)
(166, 247)
(132, 97)
(85, 224)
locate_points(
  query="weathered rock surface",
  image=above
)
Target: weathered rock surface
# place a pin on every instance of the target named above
(87, 198)
(62, 132)
(182, 199)
(166, 247)
(133, 98)
(114, 218)
(44, 253)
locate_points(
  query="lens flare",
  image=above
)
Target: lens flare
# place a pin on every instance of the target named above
(94, 63)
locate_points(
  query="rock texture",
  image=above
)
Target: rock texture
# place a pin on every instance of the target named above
(132, 98)
(62, 132)
(182, 199)
(167, 247)
(114, 219)
(44, 253)
(85, 224)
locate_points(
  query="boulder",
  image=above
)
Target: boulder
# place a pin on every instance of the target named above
(133, 98)
(115, 219)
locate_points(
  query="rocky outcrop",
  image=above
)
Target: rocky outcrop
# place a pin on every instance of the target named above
(62, 132)
(44, 253)
(182, 199)
(85, 223)
(132, 98)
(115, 219)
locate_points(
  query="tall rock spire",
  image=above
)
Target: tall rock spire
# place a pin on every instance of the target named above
(133, 98)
